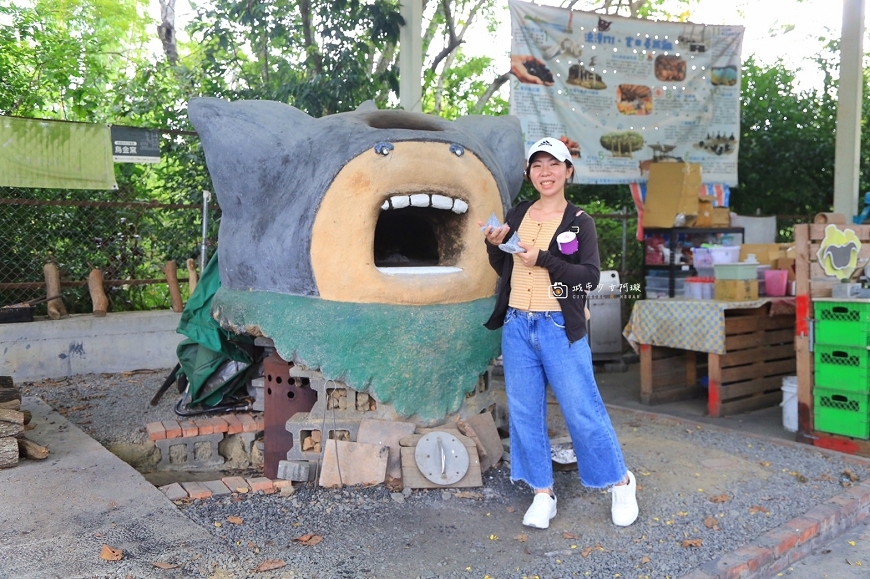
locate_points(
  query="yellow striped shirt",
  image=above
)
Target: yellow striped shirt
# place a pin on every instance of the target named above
(530, 286)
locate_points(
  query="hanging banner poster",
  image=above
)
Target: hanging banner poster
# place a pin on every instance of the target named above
(624, 93)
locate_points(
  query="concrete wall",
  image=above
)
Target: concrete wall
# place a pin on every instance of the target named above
(84, 344)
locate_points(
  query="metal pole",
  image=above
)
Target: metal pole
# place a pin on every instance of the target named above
(203, 259)
(624, 236)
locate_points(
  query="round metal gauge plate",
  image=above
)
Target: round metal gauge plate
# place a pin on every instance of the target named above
(441, 458)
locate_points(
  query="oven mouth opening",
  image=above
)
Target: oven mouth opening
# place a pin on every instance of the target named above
(418, 240)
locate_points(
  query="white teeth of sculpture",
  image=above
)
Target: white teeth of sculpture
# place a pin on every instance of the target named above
(425, 200)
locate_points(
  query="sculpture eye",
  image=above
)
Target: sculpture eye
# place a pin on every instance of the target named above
(383, 148)
(457, 150)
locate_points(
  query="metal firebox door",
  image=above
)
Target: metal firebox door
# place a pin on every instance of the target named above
(605, 325)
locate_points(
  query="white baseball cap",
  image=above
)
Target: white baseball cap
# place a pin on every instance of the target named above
(552, 146)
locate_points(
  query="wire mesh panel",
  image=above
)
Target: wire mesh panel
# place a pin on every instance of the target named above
(128, 241)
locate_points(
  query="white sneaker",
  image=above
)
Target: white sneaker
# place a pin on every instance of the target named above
(542, 510)
(624, 509)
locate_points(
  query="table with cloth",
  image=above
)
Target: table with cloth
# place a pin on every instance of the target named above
(749, 347)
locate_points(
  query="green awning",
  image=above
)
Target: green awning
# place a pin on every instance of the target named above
(55, 154)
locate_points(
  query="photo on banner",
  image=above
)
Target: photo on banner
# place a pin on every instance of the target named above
(623, 93)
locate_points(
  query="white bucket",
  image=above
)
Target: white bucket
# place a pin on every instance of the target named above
(789, 403)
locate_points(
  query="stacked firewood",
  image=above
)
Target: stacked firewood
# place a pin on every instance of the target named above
(13, 423)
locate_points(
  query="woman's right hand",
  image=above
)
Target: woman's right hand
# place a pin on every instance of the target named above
(495, 236)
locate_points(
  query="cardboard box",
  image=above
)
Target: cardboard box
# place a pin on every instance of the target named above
(765, 253)
(672, 189)
(736, 290)
(721, 217)
(786, 263)
(705, 211)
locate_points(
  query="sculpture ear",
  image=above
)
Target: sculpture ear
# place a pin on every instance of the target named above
(266, 131)
(367, 106)
(503, 139)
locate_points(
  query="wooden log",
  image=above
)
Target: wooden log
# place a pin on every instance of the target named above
(11, 422)
(191, 274)
(837, 218)
(6, 382)
(8, 452)
(32, 450)
(56, 309)
(171, 271)
(98, 294)
(28, 416)
(11, 405)
(9, 394)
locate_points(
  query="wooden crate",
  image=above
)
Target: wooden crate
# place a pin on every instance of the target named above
(759, 354)
(668, 374)
(812, 282)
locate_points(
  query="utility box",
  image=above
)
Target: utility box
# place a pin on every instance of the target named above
(605, 324)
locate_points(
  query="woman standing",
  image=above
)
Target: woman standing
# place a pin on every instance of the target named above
(541, 305)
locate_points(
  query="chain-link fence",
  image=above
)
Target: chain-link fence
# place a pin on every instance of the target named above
(128, 241)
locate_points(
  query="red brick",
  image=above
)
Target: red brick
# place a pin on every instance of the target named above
(233, 423)
(204, 425)
(234, 483)
(174, 492)
(188, 428)
(755, 557)
(173, 430)
(155, 431)
(781, 540)
(827, 514)
(280, 484)
(260, 420)
(259, 483)
(196, 490)
(806, 528)
(220, 425)
(248, 423)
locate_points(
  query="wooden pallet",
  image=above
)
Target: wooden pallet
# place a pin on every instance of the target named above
(759, 354)
(668, 374)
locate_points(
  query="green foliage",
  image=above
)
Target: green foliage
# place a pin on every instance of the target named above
(461, 87)
(786, 144)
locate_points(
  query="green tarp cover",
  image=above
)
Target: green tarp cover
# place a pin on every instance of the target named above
(55, 154)
(208, 346)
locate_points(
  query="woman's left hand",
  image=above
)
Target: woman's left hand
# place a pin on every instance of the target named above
(530, 256)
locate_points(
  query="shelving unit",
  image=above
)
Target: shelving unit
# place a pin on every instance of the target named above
(672, 235)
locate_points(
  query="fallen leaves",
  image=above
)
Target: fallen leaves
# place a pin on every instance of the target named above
(109, 554)
(692, 543)
(757, 509)
(469, 495)
(234, 520)
(712, 522)
(522, 538)
(644, 560)
(270, 565)
(308, 539)
(165, 566)
(588, 550)
(848, 474)
(567, 535)
(720, 499)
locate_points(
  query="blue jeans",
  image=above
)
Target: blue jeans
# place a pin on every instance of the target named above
(536, 352)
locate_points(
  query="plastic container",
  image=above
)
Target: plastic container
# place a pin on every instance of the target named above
(789, 403)
(725, 254)
(660, 283)
(775, 282)
(842, 323)
(702, 257)
(841, 412)
(845, 368)
(736, 271)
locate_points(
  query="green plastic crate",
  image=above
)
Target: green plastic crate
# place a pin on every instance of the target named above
(842, 367)
(842, 323)
(841, 412)
(736, 270)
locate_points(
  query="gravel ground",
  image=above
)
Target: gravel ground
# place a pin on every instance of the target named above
(703, 492)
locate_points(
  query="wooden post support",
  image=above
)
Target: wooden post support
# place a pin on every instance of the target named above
(98, 295)
(191, 274)
(171, 271)
(8, 452)
(56, 309)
